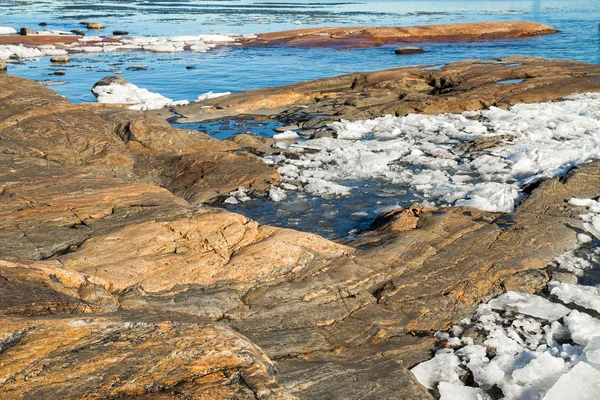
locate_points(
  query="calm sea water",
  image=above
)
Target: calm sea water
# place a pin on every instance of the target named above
(237, 69)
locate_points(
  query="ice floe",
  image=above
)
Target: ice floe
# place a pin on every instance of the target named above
(529, 347)
(7, 30)
(139, 98)
(428, 153)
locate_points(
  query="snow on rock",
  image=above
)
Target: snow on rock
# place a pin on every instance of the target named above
(210, 95)
(141, 99)
(423, 152)
(581, 383)
(7, 30)
(529, 304)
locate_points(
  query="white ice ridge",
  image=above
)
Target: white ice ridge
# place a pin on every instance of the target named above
(529, 347)
(139, 98)
(421, 151)
(97, 44)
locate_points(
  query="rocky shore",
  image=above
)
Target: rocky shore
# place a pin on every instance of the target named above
(120, 281)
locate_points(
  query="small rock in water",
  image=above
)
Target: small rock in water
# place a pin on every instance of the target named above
(93, 25)
(409, 50)
(109, 80)
(27, 31)
(78, 32)
(190, 67)
(2, 65)
(42, 24)
(137, 68)
(60, 59)
(59, 73)
(120, 33)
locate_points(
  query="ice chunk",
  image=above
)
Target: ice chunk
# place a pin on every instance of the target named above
(449, 391)
(210, 95)
(286, 135)
(529, 304)
(592, 351)
(584, 296)
(541, 367)
(583, 327)
(444, 367)
(141, 99)
(277, 194)
(6, 30)
(581, 383)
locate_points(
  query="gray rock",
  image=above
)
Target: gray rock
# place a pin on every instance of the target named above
(60, 59)
(78, 32)
(27, 31)
(410, 50)
(94, 25)
(109, 80)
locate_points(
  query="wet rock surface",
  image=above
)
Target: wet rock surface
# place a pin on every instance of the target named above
(134, 289)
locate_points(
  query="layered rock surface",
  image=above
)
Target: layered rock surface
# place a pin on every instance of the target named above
(114, 284)
(379, 35)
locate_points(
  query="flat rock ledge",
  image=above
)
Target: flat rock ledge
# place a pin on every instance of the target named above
(379, 35)
(116, 282)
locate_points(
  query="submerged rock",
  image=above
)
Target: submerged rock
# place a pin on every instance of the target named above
(409, 50)
(120, 33)
(78, 32)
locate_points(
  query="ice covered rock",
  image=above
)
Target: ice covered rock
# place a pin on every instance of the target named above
(581, 383)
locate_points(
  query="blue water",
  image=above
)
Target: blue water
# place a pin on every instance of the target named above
(237, 69)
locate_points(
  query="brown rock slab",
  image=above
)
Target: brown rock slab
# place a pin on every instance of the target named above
(376, 36)
(131, 356)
